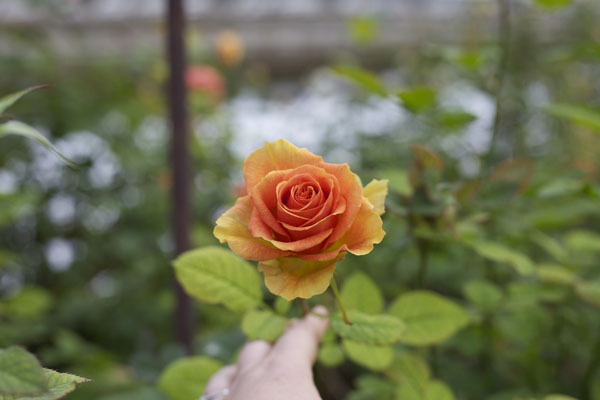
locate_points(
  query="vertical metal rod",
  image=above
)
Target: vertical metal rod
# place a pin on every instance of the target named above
(504, 39)
(180, 188)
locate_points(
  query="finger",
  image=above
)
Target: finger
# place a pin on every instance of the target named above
(252, 353)
(221, 379)
(301, 342)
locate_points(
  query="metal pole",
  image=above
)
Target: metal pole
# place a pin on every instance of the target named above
(180, 189)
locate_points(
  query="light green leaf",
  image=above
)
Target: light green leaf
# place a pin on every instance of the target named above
(142, 393)
(411, 374)
(452, 120)
(281, 305)
(556, 274)
(373, 329)
(263, 325)
(551, 245)
(579, 241)
(589, 291)
(7, 101)
(429, 317)
(483, 294)
(362, 29)
(186, 378)
(372, 387)
(214, 275)
(364, 79)
(360, 293)
(22, 129)
(553, 4)
(30, 302)
(397, 181)
(331, 354)
(560, 187)
(59, 385)
(418, 98)
(497, 252)
(558, 397)
(578, 115)
(373, 357)
(20, 374)
(438, 390)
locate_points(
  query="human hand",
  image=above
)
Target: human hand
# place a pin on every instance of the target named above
(280, 371)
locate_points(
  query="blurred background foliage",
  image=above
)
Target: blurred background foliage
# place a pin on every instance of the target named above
(491, 146)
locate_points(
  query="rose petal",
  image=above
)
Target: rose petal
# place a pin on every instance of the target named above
(302, 244)
(301, 232)
(375, 192)
(366, 231)
(292, 277)
(264, 198)
(278, 155)
(351, 190)
(232, 227)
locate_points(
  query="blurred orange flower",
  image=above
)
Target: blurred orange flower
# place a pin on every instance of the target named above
(230, 48)
(300, 217)
(205, 79)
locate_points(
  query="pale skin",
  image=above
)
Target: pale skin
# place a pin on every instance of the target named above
(279, 371)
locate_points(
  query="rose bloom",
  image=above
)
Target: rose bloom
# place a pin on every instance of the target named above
(206, 79)
(300, 217)
(230, 48)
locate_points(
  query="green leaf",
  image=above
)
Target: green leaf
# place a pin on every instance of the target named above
(578, 115)
(59, 385)
(30, 302)
(397, 181)
(583, 241)
(263, 325)
(552, 246)
(363, 30)
(186, 378)
(438, 390)
(331, 354)
(429, 317)
(7, 101)
(20, 374)
(497, 252)
(560, 187)
(373, 357)
(558, 397)
(373, 329)
(483, 294)
(360, 293)
(214, 275)
(417, 99)
(22, 129)
(411, 374)
(556, 274)
(453, 120)
(281, 305)
(553, 4)
(362, 78)
(589, 292)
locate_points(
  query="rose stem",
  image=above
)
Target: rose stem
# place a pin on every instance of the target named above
(339, 301)
(304, 306)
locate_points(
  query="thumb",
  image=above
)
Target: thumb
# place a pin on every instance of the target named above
(300, 342)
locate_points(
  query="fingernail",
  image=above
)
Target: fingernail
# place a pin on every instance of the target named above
(320, 310)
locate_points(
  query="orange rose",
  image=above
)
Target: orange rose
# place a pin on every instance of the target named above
(300, 217)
